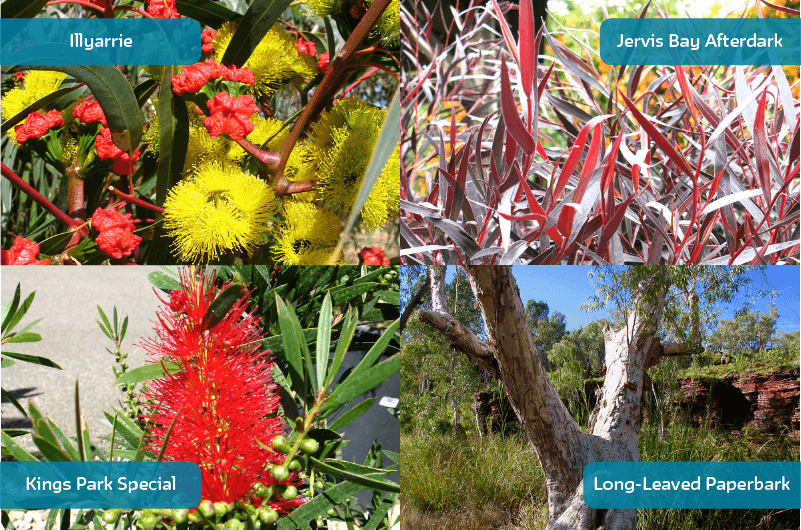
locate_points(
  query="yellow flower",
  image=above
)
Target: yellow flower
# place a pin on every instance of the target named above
(38, 84)
(274, 60)
(221, 208)
(307, 236)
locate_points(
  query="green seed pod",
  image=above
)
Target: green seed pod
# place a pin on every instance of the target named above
(279, 442)
(319, 485)
(268, 515)
(147, 520)
(234, 524)
(111, 516)
(309, 446)
(206, 508)
(290, 493)
(220, 509)
(280, 473)
(331, 512)
(295, 465)
(180, 516)
(194, 517)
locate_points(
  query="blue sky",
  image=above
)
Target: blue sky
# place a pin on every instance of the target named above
(565, 288)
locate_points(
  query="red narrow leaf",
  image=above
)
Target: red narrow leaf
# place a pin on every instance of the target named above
(607, 179)
(706, 229)
(524, 217)
(541, 151)
(614, 222)
(541, 86)
(685, 91)
(528, 54)
(507, 34)
(452, 131)
(511, 149)
(657, 137)
(783, 9)
(761, 150)
(511, 118)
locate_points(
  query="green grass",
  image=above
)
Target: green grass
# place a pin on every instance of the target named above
(470, 483)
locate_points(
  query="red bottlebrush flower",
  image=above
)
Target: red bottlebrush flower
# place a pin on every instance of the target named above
(305, 47)
(19, 77)
(162, 9)
(23, 252)
(373, 256)
(107, 150)
(206, 36)
(223, 402)
(230, 115)
(37, 124)
(178, 301)
(322, 63)
(193, 77)
(117, 243)
(106, 219)
(89, 112)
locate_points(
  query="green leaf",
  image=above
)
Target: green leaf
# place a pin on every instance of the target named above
(345, 338)
(112, 90)
(352, 414)
(163, 281)
(129, 431)
(14, 433)
(292, 337)
(10, 309)
(323, 340)
(56, 244)
(144, 90)
(276, 345)
(319, 505)
(50, 451)
(18, 312)
(33, 359)
(23, 337)
(380, 512)
(22, 8)
(385, 145)
(147, 373)
(64, 441)
(173, 136)
(13, 401)
(36, 105)
(207, 12)
(371, 481)
(395, 457)
(223, 303)
(257, 21)
(391, 297)
(16, 450)
(5, 363)
(106, 322)
(378, 348)
(356, 385)
(40, 425)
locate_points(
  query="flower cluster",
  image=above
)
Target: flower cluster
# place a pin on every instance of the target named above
(106, 150)
(207, 37)
(162, 9)
(37, 124)
(38, 84)
(116, 239)
(23, 252)
(89, 112)
(230, 116)
(373, 256)
(306, 48)
(193, 77)
(222, 404)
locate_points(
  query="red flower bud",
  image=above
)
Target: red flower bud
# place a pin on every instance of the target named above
(117, 243)
(322, 63)
(193, 77)
(206, 36)
(229, 115)
(162, 9)
(37, 124)
(305, 47)
(89, 111)
(23, 252)
(107, 150)
(106, 219)
(373, 256)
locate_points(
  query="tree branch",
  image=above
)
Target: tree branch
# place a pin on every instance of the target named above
(463, 339)
(413, 303)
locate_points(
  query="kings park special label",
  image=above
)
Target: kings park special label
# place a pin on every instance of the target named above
(700, 41)
(700, 485)
(86, 485)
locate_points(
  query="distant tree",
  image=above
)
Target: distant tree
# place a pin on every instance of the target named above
(749, 332)
(547, 329)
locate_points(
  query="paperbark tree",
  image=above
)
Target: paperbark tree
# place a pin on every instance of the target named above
(510, 355)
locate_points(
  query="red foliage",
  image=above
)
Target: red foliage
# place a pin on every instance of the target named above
(37, 124)
(223, 401)
(23, 252)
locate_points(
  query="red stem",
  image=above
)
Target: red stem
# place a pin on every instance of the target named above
(65, 219)
(87, 5)
(133, 200)
(134, 9)
(268, 158)
(108, 10)
(75, 207)
(378, 66)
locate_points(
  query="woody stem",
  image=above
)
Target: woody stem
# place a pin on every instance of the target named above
(39, 198)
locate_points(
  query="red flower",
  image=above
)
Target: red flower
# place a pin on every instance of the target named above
(89, 111)
(178, 301)
(224, 402)
(193, 77)
(229, 115)
(305, 47)
(107, 150)
(322, 63)
(19, 76)
(37, 124)
(206, 36)
(162, 9)
(23, 252)
(117, 243)
(106, 219)
(373, 256)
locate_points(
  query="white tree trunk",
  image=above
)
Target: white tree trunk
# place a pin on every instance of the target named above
(562, 448)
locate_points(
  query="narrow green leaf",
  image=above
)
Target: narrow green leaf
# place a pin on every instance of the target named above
(356, 385)
(29, 326)
(319, 505)
(36, 105)
(147, 373)
(395, 457)
(391, 297)
(19, 312)
(22, 8)
(14, 433)
(124, 329)
(162, 281)
(6, 363)
(371, 481)
(50, 451)
(207, 12)
(51, 519)
(167, 437)
(372, 275)
(144, 90)
(292, 348)
(378, 348)
(16, 450)
(223, 303)
(105, 321)
(40, 425)
(64, 441)
(11, 308)
(33, 359)
(276, 345)
(129, 431)
(23, 337)
(343, 343)
(13, 401)
(352, 414)
(323, 340)
(256, 22)
(81, 448)
(381, 512)
(112, 90)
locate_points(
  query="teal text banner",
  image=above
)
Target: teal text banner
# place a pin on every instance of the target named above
(87, 485)
(99, 41)
(700, 41)
(700, 485)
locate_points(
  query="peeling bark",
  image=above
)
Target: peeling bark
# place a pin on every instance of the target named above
(510, 356)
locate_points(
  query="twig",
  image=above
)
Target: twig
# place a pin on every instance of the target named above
(39, 198)
(133, 200)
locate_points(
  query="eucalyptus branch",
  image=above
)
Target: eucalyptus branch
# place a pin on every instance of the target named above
(134, 200)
